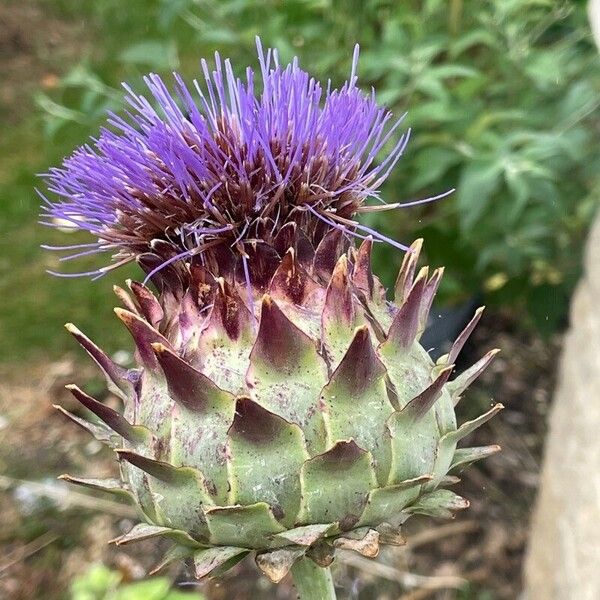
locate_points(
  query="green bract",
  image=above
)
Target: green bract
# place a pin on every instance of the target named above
(310, 420)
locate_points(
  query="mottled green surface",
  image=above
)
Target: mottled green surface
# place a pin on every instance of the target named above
(315, 453)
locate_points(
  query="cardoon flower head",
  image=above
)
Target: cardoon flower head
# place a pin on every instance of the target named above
(281, 405)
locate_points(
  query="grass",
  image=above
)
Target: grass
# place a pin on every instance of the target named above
(34, 305)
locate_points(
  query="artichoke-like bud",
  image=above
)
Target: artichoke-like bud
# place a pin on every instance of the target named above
(281, 405)
(310, 420)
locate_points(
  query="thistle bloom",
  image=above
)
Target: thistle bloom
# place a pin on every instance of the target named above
(201, 174)
(281, 406)
(184, 176)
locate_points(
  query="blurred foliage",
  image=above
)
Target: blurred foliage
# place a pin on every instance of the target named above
(100, 583)
(502, 98)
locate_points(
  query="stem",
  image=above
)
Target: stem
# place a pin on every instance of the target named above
(311, 581)
(456, 9)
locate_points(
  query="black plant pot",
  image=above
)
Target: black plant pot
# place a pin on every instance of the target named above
(445, 323)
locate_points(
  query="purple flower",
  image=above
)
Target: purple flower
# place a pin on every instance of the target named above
(225, 166)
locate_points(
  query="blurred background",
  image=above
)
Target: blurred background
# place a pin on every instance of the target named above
(502, 97)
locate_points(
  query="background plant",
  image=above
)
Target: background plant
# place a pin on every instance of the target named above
(101, 583)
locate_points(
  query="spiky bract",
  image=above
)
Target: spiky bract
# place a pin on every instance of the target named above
(308, 420)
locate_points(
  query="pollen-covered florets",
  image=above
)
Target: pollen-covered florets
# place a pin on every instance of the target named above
(221, 168)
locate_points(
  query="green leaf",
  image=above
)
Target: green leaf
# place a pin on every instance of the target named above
(145, 531)
(341, 314)
(217, 559)
(431, 165)
(440, 503)
(435, 112)
(478, 183)
(56, 110)
(466, 456)
(447, 444)
(101, 583)
(156, 54)
(518, 184)
(386, 504)
(285, 365)
(414, 445)
(177, 493)
(199, 427)
(111, 486)
(475, 37)
(95, 584)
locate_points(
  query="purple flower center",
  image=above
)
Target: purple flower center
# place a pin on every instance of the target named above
(223, 165)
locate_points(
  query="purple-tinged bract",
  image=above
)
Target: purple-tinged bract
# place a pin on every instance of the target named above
(225, 165)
